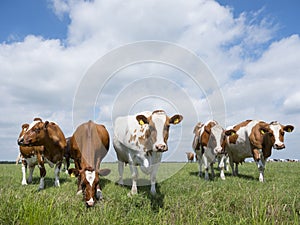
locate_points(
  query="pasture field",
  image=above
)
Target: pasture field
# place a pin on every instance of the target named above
(184, 198)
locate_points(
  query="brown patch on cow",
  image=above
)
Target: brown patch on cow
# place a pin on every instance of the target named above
(197, 128)
(196, 131)
(206, 134)
(132, 138)
(257, 133)
(242, 124)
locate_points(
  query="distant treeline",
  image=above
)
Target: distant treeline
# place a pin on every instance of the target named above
(7, 162)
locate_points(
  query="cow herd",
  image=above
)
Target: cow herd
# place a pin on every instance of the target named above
(140, 140)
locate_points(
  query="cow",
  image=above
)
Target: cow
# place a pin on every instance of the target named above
(254, 138)
(88, 146)
(50, 136)
(208, 144)
(140, 140)
(190, 156)
(28, 156)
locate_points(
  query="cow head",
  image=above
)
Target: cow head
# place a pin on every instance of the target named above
(278, 132)
(31, 134)
(216, 139)
(89, 182)
(158, 129)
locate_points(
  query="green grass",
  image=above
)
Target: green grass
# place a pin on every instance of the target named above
(183, 198)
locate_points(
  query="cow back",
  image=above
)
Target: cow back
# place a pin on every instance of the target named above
(90, 142)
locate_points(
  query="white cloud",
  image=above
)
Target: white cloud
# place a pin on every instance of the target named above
(39, 77)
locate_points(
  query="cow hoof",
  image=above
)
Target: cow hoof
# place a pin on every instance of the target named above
(24, 183)
(132, 193)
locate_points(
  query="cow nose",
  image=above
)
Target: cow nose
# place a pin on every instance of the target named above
(279, 146)
(20, 141)
(90, 203)
(218, 150)
(161, 147)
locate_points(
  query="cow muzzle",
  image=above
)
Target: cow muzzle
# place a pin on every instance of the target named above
(90, 203)
(279, 146)
(219, 150)
(161, 147)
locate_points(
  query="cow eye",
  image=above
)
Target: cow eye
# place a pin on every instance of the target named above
(282, 133)
(37, 130)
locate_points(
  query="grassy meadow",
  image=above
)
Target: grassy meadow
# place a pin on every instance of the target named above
(183, 198)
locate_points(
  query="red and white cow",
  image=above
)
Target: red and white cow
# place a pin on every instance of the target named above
(49, 135)
(190, 156)
(140, 140)
(253, 138)
(88, 146)
(28, 157)
(209, 142)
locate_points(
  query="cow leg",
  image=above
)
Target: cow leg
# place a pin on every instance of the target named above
(232, 167)
(153, 178)
(212, 170)
(121, 170)
(31, 169)
(260, 162)
(42, 175)
(134, 175)
(204, 159)
(236, 169)
(221, 166)
(200, 165)
(56, 174)
(24, 168)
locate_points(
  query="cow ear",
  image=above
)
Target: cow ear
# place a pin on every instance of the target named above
(142, 119)
(230, 132)
(104, 172)
(176, 119)
(288, 128)
(73, 172)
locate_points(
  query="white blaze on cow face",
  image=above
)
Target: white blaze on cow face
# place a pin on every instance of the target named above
(216, 139)
(90, 177)
(157, 130)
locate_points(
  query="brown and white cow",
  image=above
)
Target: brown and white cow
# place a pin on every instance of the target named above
(140, 140)
(253, 138)
(88, 146)
(28, 157)
(190, 156)
(49, 135)
(209, 142)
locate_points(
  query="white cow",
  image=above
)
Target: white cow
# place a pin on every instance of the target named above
(140, 140)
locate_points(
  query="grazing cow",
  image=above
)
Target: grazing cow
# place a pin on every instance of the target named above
(88, 146)
(49, 135)
(209, 142)
(28, 157)
(140, 140)
(190, 156)
(253, 138)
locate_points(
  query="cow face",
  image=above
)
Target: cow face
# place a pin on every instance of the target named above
(90, 185)
(278, 132)
(158, 129)
(32, 133)
(217, 139)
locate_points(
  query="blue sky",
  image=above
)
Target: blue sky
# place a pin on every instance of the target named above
(19, 18)
(251, 47)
